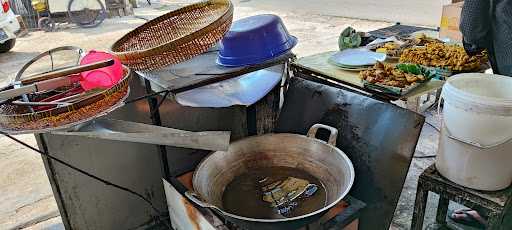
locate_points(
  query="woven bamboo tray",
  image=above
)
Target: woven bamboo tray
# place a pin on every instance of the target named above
(176, 36)
(15, 119)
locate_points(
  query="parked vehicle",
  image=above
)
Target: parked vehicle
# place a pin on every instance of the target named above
(8, 26)
(84, 13)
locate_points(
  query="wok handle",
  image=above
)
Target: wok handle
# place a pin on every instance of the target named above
(332, 136)
(194, 197)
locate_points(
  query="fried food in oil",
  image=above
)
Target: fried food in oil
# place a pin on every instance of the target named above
(388, 74)
(442, 55)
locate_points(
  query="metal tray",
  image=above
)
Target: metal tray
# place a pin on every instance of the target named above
(391, 89)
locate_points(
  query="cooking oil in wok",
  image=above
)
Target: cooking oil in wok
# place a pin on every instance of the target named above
(274, 193)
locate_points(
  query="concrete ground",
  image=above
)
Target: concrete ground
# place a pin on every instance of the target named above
(26, 200)
(408, 12)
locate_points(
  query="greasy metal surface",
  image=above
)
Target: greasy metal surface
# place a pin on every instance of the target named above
(378, 137)
(89, 204)
(111, 129)
(347, 216)
(337, 217)
(316, 157)
(201, 68)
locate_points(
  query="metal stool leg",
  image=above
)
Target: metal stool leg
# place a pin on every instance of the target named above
(494, 222)
(413, 104)
(442, 209)
(419, 207)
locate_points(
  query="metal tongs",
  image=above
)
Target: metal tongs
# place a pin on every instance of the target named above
(50, 81)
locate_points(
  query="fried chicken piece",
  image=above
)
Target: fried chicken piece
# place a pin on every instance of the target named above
(411, 78)
(379, 65)
(388, 74)
(398, 73)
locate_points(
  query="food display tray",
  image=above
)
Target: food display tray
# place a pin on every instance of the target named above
(391, 89)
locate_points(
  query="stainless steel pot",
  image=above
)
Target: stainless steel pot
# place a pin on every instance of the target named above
(322, 160)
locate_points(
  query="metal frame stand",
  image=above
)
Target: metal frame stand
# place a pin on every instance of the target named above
(495, 205)
(154, 112)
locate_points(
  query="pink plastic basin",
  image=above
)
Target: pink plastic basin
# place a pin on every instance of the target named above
(104, 77)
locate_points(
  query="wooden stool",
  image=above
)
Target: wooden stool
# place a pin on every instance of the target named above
(494, 205)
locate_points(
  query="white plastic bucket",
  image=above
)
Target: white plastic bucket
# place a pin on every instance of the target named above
(477, 128)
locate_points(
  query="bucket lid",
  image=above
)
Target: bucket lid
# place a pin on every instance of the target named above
(478, 92)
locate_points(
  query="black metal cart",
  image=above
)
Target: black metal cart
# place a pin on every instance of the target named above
(381, 160)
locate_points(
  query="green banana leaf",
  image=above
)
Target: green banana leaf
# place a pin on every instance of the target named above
(419, 70)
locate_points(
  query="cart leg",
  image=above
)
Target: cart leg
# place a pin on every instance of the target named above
(413, 104)
(494, 222)
(155, 118)
(419, 207)
(442, 209)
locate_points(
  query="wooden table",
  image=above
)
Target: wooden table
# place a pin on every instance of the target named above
(317, 68)
(497, 206)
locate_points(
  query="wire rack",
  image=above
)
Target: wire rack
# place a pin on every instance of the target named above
(176, 36)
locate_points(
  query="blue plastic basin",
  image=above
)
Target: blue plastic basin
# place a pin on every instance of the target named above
(254, 40)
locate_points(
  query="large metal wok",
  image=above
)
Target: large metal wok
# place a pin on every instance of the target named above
(322, 160)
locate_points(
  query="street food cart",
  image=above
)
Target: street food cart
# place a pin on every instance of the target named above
(168, 138)
(260, 118)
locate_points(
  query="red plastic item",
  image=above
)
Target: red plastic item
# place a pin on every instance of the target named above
(70, 92)
(104, 77)
(5, 6)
